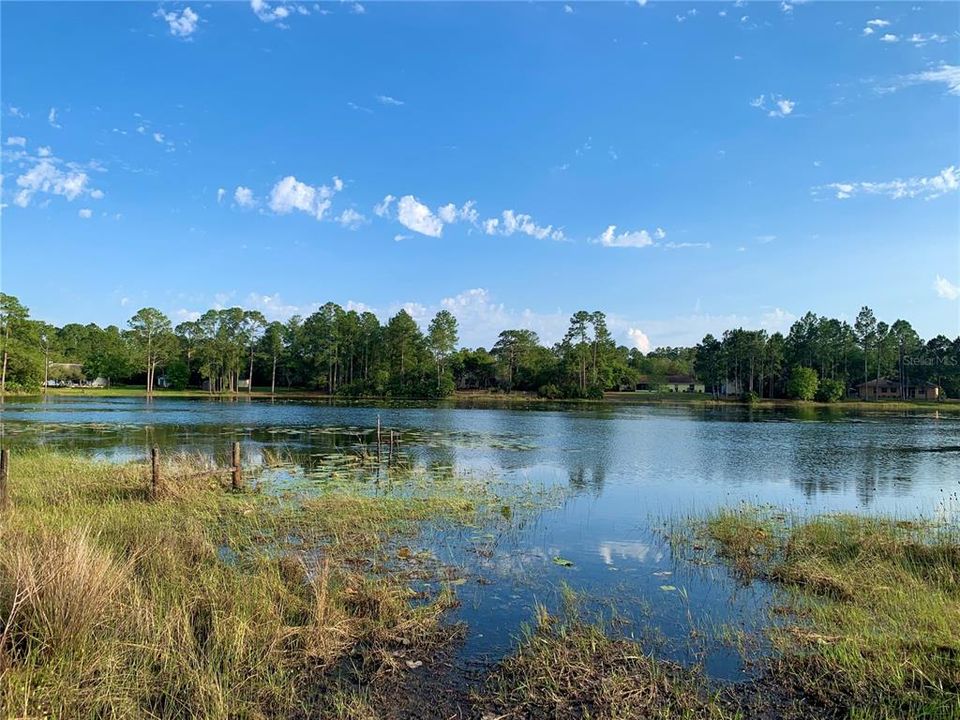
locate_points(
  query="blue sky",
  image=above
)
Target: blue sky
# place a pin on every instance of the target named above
(685, 167)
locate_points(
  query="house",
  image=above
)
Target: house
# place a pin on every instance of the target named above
(669, 383)
(887, 389)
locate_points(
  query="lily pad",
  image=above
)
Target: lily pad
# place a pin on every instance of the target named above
(668, 588)
(562, 562)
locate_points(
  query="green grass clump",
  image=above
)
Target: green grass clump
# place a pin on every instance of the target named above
(567, 667)
(876, 603)
(199, 603)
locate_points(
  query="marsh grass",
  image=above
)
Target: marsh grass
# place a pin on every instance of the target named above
(572, 666)
(875, 603)
(201, 603)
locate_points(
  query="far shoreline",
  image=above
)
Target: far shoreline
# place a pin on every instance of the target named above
(494, 398)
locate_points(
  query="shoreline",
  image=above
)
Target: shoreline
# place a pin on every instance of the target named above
(468, 398)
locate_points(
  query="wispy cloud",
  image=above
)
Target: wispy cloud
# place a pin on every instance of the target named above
(946, 289)
(943, 74)
(928, 188)
(52, 118)
(774, 105)
(387, 100)
(17, 141)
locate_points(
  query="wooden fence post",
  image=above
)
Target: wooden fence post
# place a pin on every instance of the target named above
(155, 470)
(390, 456)
(4, 476)
(378, 438)
(237, 480)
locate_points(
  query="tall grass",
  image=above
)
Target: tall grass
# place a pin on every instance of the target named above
(199, 604)
(876, 603)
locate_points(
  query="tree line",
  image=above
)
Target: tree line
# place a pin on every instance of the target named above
(350, 353)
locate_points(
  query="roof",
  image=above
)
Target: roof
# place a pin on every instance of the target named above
(668, 379)
(888, 383)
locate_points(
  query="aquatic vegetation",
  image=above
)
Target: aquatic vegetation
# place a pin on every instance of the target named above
(873, 606)
(204, 602)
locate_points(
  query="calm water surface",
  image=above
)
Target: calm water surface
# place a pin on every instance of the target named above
(625, 471)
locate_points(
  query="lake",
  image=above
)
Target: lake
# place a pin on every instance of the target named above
(624, 474)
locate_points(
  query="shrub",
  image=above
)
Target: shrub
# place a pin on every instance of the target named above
(549, 391)
(803, 383)
(831, 391)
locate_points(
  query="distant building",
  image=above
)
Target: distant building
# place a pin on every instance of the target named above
(669, 383)
(887, 389)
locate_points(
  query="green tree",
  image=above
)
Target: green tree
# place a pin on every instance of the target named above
(151, 335)
(803, 383)
(18, 358)
(865, 328)
(442, 338)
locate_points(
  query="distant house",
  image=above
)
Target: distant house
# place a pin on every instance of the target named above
(669, 383)
(887, 389)
(163, 382)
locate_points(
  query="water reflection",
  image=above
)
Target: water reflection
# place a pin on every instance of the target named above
(624, 469)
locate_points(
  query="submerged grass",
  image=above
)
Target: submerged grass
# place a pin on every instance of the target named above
(202, 602)
(568, 666)
(875, 603)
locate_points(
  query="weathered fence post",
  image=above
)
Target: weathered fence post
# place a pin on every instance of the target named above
(155, 470)
(390, 456)
(237, 480)
(4, 476)
(378, 438)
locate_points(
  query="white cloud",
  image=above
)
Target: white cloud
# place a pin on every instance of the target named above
(387, 100)
(774, 105)
(85, 213)
(568, 10)
(221, 193)
(52, 118)
(182, 25)
(15, 112)
(358, 9)
(868, 31)
(511, 222)
(686, 245)
(47, 177)
(416, 216)
(659, 233)
(878, 23)
(946, 289)
(351, 219)
(44, 151)
(290, 194)
(158, 137)
(639, 339)
(631, 239)
(268, 13)
(243, 196)
(949, 75)
(382, 208)
(890, 38)
(784, 108)
(400, 237)
(921, 39)
(16, 141)
(184, 315)
(928, 188)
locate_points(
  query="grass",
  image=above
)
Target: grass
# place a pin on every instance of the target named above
(874, 630)
(568, 667)
(202, 602)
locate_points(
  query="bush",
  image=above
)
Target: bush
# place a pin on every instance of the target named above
(831, 391)
(594, 392)
(549, 391)
(749, 397)
(803, 383)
